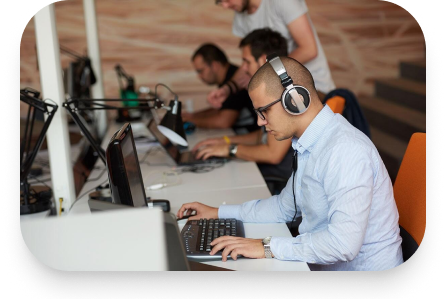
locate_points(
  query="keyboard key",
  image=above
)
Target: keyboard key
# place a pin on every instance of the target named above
(198, 234)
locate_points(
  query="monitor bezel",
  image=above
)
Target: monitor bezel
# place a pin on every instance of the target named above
(114, 151)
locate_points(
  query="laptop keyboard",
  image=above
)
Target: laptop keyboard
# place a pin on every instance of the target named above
(198, 234)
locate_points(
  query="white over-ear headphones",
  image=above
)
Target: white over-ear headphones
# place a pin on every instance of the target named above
(295, 98)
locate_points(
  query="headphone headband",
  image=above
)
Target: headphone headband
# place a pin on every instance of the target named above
(295, 98)
(280, 70)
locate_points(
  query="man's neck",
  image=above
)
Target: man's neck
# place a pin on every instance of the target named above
(309, 115)
(253, 5)
(221, 76)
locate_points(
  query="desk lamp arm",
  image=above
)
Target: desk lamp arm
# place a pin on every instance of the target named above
(30, 96)
(72, 107)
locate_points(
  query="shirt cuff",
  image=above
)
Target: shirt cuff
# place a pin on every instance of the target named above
(282, 248)
(229, 211)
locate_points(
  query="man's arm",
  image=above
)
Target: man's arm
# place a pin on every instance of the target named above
(302, 33)
(240, 80)
(346, 174)
(222, 119)
(205, 112)
(202, 211)
(272, 152)
(251, 138)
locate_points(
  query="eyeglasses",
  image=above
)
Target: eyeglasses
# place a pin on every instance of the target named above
(259, 111)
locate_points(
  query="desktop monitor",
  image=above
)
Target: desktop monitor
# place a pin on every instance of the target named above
(124, 173)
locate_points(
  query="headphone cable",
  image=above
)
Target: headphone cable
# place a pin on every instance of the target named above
(295, 166)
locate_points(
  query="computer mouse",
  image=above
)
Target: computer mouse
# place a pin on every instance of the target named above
(189, 127)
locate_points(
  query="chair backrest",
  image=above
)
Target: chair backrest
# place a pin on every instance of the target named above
(336, 104)
(410, 188)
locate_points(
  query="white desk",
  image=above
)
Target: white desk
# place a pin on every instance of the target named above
(234, 183)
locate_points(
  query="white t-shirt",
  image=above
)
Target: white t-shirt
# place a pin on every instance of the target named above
(277, 14)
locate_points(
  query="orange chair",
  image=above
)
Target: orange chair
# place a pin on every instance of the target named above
(410, 194)
(336, 104)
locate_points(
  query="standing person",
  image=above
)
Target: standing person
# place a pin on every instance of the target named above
(213, 68)
(339, 185)
(272, 157)
(290, 18)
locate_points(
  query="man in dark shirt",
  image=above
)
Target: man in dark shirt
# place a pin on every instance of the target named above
(213, 68)
(273, 157)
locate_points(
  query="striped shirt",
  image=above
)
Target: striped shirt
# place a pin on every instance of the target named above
(345, 197)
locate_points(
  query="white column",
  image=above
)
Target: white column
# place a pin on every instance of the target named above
(52, 88)
(94, 53)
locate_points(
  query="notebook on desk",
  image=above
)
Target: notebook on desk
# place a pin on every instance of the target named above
(180, 157)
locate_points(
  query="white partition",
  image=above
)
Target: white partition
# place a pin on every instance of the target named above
(130, 240)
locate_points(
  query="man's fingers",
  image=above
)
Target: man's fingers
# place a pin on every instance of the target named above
(222, 242)
(184, 207)
(227, 251)
(200, 154)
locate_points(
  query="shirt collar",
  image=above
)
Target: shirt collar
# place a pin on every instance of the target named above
(313, 132)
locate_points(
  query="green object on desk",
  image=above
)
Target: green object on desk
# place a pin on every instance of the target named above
(129, 95)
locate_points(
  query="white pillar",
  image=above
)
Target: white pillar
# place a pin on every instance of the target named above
(52, 88)
(94, 53)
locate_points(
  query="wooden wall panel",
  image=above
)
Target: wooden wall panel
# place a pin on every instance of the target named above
(153, 40)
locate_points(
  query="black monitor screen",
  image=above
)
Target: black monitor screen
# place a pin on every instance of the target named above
(124, 172)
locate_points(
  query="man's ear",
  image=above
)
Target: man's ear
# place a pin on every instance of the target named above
(262, 60)
(215, 65)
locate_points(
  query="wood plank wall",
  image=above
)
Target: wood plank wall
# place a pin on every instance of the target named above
(153, 40)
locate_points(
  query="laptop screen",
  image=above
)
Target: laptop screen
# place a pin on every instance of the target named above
(171, 149)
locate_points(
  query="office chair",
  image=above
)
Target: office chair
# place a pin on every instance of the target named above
(275, 184)
(336, 104)
(410, 195)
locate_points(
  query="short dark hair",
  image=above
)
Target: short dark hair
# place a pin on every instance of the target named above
(265, 41)
(266, 74)
(210, 53)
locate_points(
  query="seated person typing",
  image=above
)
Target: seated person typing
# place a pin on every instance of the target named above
(339, 184)
(273, 157)
(236, 111)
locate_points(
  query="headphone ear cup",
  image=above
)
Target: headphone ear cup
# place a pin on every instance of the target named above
(288, 102)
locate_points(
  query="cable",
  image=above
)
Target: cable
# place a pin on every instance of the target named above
(156, 94)
(42, 182)
(97, 178)
(92, 189)
(149, 151)
(201, 168)
(38, 181)
(295, 162)
(164, 182)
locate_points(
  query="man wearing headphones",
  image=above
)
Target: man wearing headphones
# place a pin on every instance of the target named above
(339, 185)
(291, 19)
(273, 157)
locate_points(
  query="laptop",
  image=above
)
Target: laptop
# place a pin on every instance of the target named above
(180, 157)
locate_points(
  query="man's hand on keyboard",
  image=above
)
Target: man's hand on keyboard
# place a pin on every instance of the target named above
(234, 246)
(218, 150)
(202, 211)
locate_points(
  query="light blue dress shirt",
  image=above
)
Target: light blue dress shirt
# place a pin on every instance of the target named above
(345, 197)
